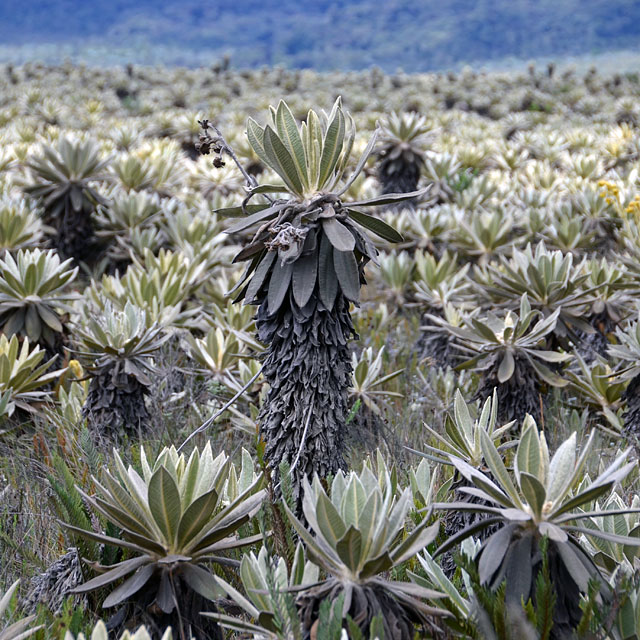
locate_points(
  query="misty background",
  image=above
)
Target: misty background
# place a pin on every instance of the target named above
(324, 35)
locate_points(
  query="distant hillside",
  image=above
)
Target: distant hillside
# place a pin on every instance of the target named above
(417, 35)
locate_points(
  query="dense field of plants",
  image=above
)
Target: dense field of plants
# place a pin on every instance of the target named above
(244, 392)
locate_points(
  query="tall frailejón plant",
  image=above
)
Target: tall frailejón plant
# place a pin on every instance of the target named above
(306, 266)
(401, 157)
(63, 180)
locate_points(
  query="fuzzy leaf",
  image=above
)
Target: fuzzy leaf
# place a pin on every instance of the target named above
(561, 467)
(278, 285)
(330, 522)
(339, 235)
(574, 565)
(115, 573)
(247, 222)
(290, 136)
(164, 502)
(130, 586)
(346, 268)
(528, 454)
(375, 225)
(281, 160)
(327, 279)
(493, 552)
(518, 570)
(255, 135)
(268, 188)
(201, 581)
(332, 145)
(389, 198)
(507, 367)
(305, 271)
(259, 276)
(196, 517)
(349, 548)
(533, 491)
(238, 212)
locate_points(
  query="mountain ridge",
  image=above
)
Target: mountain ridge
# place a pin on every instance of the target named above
(330, 34)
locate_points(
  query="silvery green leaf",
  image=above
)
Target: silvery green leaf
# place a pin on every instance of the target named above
(255, 134)
(164, 503)
(329, 520)
(353, 500)
(463, 417)
(493, 552)
(375, 225)
(533, 492)
(417, 539)
(507, 367)
(528, 457)
(553, 531)
(281, 162)
(440, 580)
(331, 145)
(259, 216)
(495, 463)
(389, 198)
(268, 188)
(349, 548)
(290, 136)
(239, 212)
(561, 467)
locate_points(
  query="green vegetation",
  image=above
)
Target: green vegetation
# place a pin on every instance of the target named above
(246, 392)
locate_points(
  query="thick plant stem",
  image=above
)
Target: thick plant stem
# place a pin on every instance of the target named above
(404, 179)
(517, 397)
(308, 368)
(116, 404)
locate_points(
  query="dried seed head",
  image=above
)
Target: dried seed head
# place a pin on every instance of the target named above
(288, 241)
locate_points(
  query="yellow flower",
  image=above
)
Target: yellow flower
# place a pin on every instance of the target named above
(76, 368)
(634, 206)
